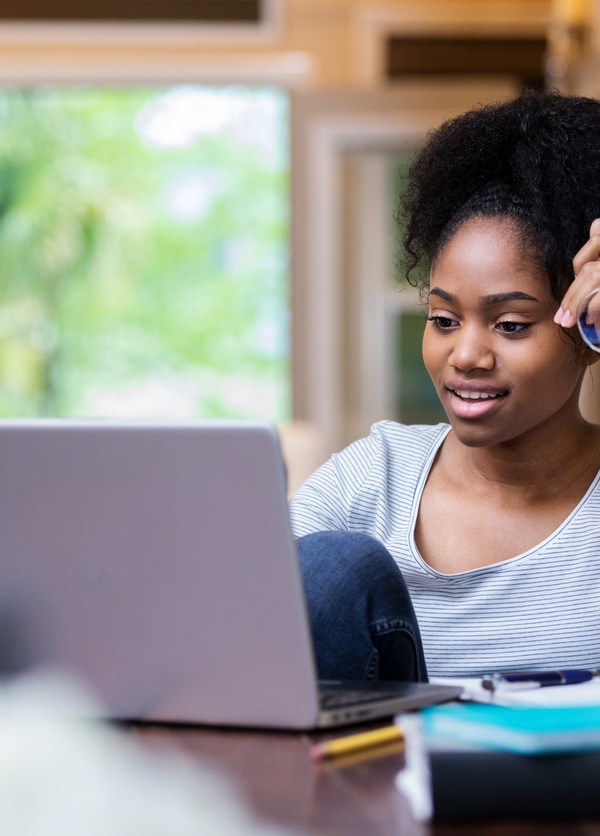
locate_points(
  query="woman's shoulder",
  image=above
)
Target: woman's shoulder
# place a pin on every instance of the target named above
(404, 437)
(392, 447)
(388, 444)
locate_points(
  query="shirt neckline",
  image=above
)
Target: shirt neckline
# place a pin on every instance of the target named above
(424, 475)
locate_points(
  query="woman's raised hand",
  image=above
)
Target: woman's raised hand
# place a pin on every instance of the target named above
(586, 265)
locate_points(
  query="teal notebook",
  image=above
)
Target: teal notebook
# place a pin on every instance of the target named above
(516, 729)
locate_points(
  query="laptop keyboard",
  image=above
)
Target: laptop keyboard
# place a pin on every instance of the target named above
(339, 699)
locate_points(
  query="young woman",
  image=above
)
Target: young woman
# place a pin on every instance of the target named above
(474, 546)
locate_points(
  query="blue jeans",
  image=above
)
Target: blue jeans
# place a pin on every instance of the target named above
(363, 622)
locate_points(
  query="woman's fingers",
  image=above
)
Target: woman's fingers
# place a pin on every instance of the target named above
(586, 266)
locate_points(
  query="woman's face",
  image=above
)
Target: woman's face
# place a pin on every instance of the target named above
(500, 365)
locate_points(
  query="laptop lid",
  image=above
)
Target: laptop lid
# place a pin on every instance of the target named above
(156, 563)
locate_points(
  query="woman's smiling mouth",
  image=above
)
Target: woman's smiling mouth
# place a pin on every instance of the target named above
(469, 394)
(473, 403)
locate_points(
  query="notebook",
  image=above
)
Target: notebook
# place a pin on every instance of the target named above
(157, 564)
(446, 779)
(522, 729)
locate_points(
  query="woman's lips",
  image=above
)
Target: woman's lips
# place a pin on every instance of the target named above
(474, 402)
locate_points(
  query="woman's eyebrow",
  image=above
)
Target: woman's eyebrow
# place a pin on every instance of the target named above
(443, 294)
(498, 298)
(493, 299)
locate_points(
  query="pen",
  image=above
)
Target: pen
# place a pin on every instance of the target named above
(356, 742)
(537, 679)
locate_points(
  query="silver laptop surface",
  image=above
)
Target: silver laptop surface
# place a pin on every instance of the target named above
(156, 562)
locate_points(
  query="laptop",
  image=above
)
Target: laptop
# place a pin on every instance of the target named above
(156, 563)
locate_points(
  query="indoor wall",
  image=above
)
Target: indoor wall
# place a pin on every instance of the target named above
(322, 43)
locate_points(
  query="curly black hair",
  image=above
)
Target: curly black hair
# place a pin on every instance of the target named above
(534, 159)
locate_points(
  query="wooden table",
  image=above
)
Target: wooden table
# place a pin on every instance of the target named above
(282, 785)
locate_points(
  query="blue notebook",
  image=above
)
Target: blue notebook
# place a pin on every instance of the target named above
(524, 730)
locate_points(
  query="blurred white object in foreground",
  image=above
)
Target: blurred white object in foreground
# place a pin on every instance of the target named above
(63, 774)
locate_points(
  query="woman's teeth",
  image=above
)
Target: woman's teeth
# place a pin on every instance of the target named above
(476, 396)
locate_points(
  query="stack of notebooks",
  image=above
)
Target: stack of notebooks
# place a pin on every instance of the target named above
(476, 761)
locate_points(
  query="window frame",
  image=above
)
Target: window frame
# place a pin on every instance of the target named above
(66, 33)
(332, 309)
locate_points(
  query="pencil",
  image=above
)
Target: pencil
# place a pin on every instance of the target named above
(356, 742)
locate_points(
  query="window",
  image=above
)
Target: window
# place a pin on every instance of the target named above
(144, 234)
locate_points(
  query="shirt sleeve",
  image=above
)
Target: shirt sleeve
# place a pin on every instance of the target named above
(324, 501)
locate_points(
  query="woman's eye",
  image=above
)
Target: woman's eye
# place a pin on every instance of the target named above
(510, 327)
(442, 323)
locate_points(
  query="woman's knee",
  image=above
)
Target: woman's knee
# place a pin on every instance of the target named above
(360, 609)
(341, 552)
(348, 571)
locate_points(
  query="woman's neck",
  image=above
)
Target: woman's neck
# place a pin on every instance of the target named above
(538, 466)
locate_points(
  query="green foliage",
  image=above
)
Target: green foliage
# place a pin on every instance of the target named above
(143, 274)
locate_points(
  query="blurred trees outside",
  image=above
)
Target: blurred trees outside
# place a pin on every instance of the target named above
(144, 252)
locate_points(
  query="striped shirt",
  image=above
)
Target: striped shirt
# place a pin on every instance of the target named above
(539, 609)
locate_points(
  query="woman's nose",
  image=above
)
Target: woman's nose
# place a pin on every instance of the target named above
(472, 350)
